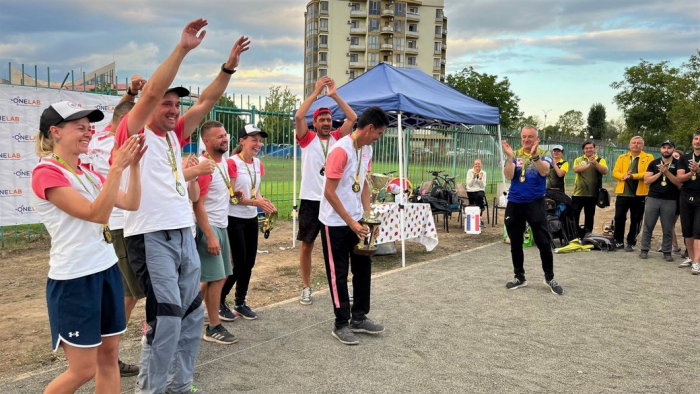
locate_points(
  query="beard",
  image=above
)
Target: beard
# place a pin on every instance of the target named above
(666, 155)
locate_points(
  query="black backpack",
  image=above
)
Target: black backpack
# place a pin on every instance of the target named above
(599, 242)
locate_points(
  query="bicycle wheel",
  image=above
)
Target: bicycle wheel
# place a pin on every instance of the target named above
(403, 183)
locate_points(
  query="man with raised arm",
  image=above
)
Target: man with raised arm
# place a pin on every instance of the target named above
(158, 236)
(315, 146)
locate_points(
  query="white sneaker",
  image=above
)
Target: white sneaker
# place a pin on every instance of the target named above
(305, 298)
(696, 269)
(686, 263)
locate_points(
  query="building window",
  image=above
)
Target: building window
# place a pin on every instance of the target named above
(373, 42)
(438, 14)
(353, 74)
(413, 10)
(354, 24)
(312, 11)
(400, 9)
(355, 7)
(412, 44)
(324, 40)
(324, 24)
(438, 47)
(354, 57)
(322, 72)
(438, 31)
(372, 59)
(398, 60)
(436, 63)
(373, 24)
(324, 6)
(412, 60)
(374, 7)
(355, 40)
(398, 26)
(413, 27)
(436, 76)
(323, 56)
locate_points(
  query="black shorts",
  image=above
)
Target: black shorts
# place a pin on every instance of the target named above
(690, 216)
(309, 225)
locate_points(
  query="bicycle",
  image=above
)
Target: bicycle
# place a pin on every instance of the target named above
(442, 186)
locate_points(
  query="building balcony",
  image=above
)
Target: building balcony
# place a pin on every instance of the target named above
(417, 2)
(387, 12)
(437, 67)
(358, 13)
(358, 30)
(357, 47)
(412, 66)
(357, 64)
(439, 18)
(444, 32)
(323, 28)
(444, 46)
(443, 62)
(323, 62)
(387, 46)
(412, 17)
(324, 12)
(438, 34)
(412, 34)
(413, 51)
(437, 52)
(387, 29)
(323, 46)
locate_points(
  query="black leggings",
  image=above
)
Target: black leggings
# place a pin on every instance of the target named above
(534, 213)
(243, 237)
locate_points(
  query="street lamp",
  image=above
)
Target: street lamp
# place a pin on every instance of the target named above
(545, 121)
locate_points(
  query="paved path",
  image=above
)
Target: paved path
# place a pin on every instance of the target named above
(623, 325)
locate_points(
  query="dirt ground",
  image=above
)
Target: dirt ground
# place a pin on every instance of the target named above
(24, 329)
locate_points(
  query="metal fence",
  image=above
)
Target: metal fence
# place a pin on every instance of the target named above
(449, 149)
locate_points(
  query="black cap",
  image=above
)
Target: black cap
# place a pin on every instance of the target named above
(65, 111)
(182, 92)
(250, 129)
(669, 142)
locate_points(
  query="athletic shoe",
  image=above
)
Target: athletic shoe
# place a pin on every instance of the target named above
(126, 370)
(516, 284)
(668, 257)
(554, 287)
(225, 313)
(629, 248)
(686, 263)
(305, 297)
(219, 335)
(696, 269)
(644, 254)
(345, 336)
(245, 311)
(366, 326)
(191, 390)
(676, 250)
(619, 245)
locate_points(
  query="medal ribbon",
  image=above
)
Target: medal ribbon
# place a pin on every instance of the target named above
(358, 152)
(171, 159)
(226, 179)
(253, 176)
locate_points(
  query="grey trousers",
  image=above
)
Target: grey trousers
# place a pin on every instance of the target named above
(167, 265)
(656, 208)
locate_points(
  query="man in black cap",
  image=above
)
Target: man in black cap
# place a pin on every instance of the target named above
(661, 200)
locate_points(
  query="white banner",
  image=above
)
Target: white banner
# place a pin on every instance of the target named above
(20, 110)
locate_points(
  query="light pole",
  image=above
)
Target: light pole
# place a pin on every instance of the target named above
(545, 121)
(644, 131)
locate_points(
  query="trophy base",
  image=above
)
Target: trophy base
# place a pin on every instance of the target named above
(365, 251)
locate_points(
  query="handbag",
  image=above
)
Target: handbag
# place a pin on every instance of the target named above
(603, 195)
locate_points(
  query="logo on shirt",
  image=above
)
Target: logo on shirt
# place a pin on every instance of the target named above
(25, 209)
(25, 102)
(519, 162)
(24, 137)
(10, 155)
(10, 192)
(9, 119)
(105, 108)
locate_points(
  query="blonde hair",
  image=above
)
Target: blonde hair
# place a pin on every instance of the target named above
(44, 145)
(238, 149)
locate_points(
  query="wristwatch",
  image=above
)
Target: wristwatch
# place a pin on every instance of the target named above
(226, 70)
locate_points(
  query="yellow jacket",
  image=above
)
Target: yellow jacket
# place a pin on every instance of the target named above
(622, 165)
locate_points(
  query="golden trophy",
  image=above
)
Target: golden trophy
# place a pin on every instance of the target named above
(268, 224)
(366, 247)
(378, 183)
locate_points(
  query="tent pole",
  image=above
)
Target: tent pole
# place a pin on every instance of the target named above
(503, 162)
(403, 195)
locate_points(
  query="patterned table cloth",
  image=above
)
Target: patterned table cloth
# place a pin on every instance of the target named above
(418, 224)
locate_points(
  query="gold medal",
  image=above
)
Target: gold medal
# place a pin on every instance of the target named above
(522, 178)
(107, 234)
(356, 187)
(252, 193)
(663, 183)
(180, 189)
(694, 177)
(233, 200)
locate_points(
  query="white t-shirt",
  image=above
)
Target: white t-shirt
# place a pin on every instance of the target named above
(312, 160)
(162, 207)
(78, 247)
(98, 159)
(213, 189)
(239, 171)
(342, 164)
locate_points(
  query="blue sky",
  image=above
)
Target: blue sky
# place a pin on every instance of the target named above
(558, 54)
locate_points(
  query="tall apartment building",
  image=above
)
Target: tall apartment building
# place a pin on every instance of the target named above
(346, 38)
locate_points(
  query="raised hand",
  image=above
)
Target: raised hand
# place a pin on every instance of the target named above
(323, 81)
(533, 151)
(332, 88)
(205, 167)
(241, 45)
(189, 39)
(137, 83)
(507, 149)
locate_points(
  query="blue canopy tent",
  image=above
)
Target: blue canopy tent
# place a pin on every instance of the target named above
(412, 99)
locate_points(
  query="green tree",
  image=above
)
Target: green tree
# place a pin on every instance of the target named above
(571, 124)
(659, 100)
(614, 128)
(489, 90)
(532, 120)
(277, 116)
(596, 121)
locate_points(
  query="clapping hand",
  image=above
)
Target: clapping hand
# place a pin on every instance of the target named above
(507, 149)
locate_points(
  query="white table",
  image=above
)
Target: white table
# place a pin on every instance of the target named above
(418, 224)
